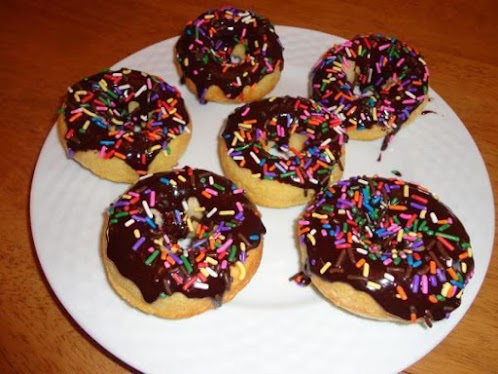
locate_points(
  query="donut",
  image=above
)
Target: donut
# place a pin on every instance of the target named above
(374, 83)
(229, 55)
(123, 124)
(386, 249)
(282, 150)
(182, 242)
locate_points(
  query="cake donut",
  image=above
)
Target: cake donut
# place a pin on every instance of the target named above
(386, 249)
(182, 242)
(282, 150)
(122, 124)
(374, 83)
(229, 55)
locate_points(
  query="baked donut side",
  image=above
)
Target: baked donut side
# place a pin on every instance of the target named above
(229, 55)
(179, 243)
(282, 150)
(124, 124)
(374, 83)
(386, 249)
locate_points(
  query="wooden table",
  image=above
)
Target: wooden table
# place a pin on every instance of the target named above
(45, 46)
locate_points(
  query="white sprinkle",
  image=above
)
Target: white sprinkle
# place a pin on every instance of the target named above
(147, 209)
(211, 212)
(140, 91)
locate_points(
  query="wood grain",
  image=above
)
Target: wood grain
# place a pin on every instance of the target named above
(46, 46)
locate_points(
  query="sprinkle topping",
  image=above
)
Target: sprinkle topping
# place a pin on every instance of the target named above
(371, 80)
(229, 48)
(181, 232)
(126, 114)
(291, 140)
(393, 240)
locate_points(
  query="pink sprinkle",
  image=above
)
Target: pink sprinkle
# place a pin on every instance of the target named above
(211, 191)
(425, 285)
(240, 208)
(384, 46)
(225, 246)
(400, 62)
(152, 201)
(246, 110)
(102, 151)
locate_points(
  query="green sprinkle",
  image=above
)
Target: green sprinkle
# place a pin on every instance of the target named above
(218, 187)
(152, 257)
(448, 236)
(440, 297)
(187, 264)
(163, 295)
(121, 214)
(233, 252)
(444, 227)
(112, 94)
(288, 174)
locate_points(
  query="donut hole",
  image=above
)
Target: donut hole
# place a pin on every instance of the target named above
(285, 151)
(353, 73)
(238, 55)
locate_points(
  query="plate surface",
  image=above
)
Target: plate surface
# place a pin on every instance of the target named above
(273, 325)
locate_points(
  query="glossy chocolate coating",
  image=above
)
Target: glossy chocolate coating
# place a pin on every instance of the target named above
(125, 113)
(205, 51)
(416, 251)
(391, 80)
(155, 260)
(253, 130)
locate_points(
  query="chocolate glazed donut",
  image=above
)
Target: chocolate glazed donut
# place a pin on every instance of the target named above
(386, 249)
(125, 123)
(229, 54)
(283, 149)
(374, 83)
(182, 242)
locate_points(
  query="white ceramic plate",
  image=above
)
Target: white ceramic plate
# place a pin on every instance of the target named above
(273, 325)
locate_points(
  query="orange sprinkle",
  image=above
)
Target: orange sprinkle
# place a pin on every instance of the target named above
(120, 155)
(360, 263)
(432, 267)
(433, 299)
(206, 194)
(397, 207)
(452, 273)
(401, 292)
(75, 116)
(303, 231)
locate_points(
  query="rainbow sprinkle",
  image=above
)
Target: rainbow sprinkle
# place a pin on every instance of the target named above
(167, 236)
(390, 81)
(258, 135)
(125, 114)
(229, 48)
(392, 239)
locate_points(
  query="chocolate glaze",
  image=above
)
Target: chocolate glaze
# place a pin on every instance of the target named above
(391, 79)
(269, 124)
(374, 240)
(172, 190)
(204, 50)
(158, 114)
(425, 112)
